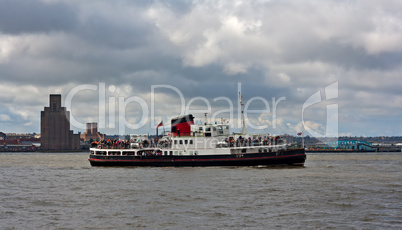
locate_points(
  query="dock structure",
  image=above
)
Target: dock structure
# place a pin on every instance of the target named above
(351, 145)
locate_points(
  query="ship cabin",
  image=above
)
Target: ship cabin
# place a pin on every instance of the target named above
(183, 126)
(210, 130)
(185, 135)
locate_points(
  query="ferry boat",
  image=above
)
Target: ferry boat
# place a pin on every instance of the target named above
(191, 145)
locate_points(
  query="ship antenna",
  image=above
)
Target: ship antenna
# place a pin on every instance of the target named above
(243, 132)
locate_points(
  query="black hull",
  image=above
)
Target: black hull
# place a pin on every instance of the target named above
(295, 157)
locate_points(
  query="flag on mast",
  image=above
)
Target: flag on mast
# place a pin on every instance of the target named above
(160, 124)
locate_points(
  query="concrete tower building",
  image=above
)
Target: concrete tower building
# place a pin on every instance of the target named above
(55, 127)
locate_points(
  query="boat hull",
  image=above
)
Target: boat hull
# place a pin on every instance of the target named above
(295, 157)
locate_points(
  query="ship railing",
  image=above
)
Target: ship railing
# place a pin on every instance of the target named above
(264, 146)
(250, 144)
(104, 146)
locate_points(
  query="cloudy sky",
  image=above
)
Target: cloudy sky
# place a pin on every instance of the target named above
(112, 57)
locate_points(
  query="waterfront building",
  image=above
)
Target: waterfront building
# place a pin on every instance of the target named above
(14, 136)
(92, 133)
(55, 127)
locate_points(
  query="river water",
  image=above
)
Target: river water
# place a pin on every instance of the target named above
(332, 191)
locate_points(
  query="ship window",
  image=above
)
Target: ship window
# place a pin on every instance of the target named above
(175, 152)
(170, 152)
(181, 142)
(200, 128)
(175, 142)
(191, 142)
(244, 150)
(191, 152)
(195, 152)
(166, 152)
(208, 129)
(180, 152)
(214, 129)
(185, 142)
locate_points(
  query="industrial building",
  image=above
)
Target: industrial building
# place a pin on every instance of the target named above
(55, 127)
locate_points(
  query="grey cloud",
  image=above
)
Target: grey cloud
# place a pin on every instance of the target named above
(19, 16)
(275, 49)
(337, 53)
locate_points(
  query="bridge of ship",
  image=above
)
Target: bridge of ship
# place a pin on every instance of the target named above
(349, 144)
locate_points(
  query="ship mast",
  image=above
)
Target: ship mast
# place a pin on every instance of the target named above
(243, 131)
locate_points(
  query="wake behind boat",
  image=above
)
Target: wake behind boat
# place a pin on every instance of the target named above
(199, 145)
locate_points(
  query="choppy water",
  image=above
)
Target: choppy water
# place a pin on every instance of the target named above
(52, 191)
